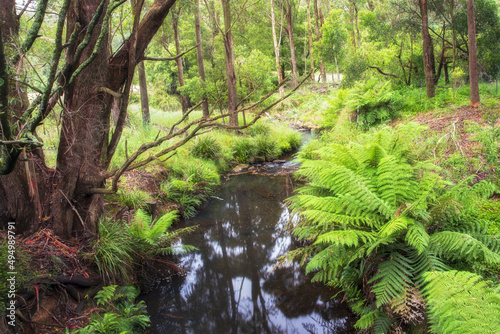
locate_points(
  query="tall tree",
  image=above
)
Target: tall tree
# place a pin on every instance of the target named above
(232, 96)
(143, 86)
(427, 50)
(473, 70)
(318, 38)
(309, 31)
(288, 10)
(199, 56)
(276, 44)
(178, 60)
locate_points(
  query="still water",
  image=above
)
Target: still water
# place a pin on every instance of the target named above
(231, 286)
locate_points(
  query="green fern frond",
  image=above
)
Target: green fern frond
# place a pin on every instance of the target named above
(346, 238)
(105, 294)
(161, 225)
(455, 245)
(394, 276)
(417, 236)
(395, 226)
(395, 181)
(461, 302)
(424, 262)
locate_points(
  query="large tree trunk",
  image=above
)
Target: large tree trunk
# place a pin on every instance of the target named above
(427, 49)
(85, 149)
(84, 135)
(22, 191)
(199, 57)
(293, 58)
(473, 70)
(180, 70)
(143, 86)
(276, 50)
(232, 96)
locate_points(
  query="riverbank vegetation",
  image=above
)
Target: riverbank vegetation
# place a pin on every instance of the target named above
(118, 118)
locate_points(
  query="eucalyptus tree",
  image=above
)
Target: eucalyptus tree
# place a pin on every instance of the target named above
(473, 70)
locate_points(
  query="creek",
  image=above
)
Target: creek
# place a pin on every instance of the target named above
(231, 285)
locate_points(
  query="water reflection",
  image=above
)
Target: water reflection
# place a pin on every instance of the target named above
(230, 287)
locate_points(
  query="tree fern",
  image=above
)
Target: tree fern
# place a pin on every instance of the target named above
(377, 224)
(461, 302)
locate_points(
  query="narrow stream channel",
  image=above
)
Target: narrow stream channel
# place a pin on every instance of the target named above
(231, 286)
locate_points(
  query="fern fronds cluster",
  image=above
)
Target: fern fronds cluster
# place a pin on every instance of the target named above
(122, 247)
(376, 225)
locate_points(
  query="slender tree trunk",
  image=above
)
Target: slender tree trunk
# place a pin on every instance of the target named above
(318, 38)
(143, 86)
(276, 50)
(452, 16)
(199, 57)
(180, 70)
(473, 70)
(427, 49)
(232, 96)
(309, 30)
(293, 58)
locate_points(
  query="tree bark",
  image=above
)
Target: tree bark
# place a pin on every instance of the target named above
(23, 190)
(427, 49)
(143, 86)
(473, 69)
(293, 58)
(277, 50)
(232, 96)
(318, 38)
(199, 57)
(178, 61)
(309, 30)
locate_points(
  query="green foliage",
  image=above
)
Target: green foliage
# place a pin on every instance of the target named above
(114, 252)
(207, 148)
(244, 150)
(120, 314)
(132, 198)
(372, 103)
(122, 247)
(376, 222)
(461, 302)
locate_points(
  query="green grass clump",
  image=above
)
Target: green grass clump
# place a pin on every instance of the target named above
(244, 150)
(206, 147)
(132, 198)
(121, 247)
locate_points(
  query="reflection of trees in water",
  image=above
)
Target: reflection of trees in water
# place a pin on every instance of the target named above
(229, 288)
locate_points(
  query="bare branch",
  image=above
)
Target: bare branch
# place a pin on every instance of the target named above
(170, 58)
(383, 73)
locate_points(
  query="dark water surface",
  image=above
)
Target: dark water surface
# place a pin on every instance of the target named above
(231, 286)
